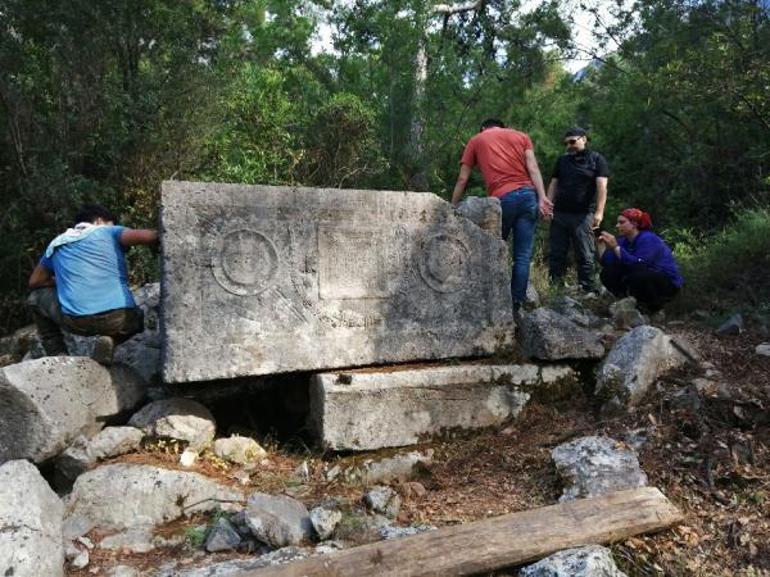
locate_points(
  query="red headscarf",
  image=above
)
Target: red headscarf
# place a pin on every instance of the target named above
(640, 218)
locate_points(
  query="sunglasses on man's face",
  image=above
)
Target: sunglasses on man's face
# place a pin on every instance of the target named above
(571, 141)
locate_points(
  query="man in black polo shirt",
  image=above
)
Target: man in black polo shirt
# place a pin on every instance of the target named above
(578, 190)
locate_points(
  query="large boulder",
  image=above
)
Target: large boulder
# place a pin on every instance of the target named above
(593, 466)
(31, 514)
(591, 561)
(48, 402)
(278, 520)
(634, 363)
(124, 496)
(550, 336)
(177, 418)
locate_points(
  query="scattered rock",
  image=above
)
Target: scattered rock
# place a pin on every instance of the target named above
(633, 364)
(390, 532)
(763, 349)
(142, 352)
(482, 210)
(411, 489)
(84, 452)
(241, 450)
(625, 315)
(574, 311)
(30, 523)
(278, 520)
(188, 458)
(732, 326)
(591, 561)
(593, 466)
(122, 496)
(222, 537)
(402, 466)
(358, 527)
(177, 418)
(237, 567)
(48, 402)
(123, 571)
(134, 540)
(383, 500)
(325, 521)
(547, 335)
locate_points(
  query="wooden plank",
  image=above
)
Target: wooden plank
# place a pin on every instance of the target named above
(495, 543)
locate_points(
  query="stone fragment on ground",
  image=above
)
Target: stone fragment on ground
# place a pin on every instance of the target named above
(636, 360)
(625, 315)
(400, 407)
(237, 449)
(590, 561)
(402, 467)
(392, 532)
(763, 349)
(123, 496)
(133, 540)
(732, 326)
(236, 567)
(485, 211)
(278, 520)
(30, 523)
(427, 283)
(550, 336)
(222, 536)
(107, 443)
(177, 418)
(574, 310)
(325, 521)
(383, 500)
(594, 466)
(48, 402)
(359, 527)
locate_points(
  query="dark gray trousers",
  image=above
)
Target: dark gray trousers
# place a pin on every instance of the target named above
(572, 230)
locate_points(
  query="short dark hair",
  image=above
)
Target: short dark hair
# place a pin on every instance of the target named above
(89, 212)
(490, 122)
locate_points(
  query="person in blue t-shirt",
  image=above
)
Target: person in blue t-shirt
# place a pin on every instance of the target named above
(639, 263)
(81, 283)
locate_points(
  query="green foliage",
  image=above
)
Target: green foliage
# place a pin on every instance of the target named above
(730, 269)
(253, 141)
(343, 149)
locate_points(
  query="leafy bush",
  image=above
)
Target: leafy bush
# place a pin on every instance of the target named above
(730, 269)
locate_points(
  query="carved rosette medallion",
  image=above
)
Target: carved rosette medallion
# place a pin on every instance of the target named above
(245, 262)
(443, 262)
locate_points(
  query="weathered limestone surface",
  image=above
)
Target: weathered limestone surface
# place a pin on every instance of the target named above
(30, 523)
(370, 410)
(260, 280)
(46, 403)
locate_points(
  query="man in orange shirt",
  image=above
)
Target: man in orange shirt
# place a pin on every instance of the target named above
(508, 164)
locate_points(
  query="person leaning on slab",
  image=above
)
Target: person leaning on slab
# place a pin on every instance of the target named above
(81, 284)
(507, 161)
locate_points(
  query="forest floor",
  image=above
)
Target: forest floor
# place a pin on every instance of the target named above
(708, 450)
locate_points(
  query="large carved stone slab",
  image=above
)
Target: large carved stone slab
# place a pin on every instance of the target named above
(260, 280)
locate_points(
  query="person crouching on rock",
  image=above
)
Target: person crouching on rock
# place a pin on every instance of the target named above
(81, 284)
(638, 262)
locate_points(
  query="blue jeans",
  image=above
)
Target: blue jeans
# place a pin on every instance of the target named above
(520, 217)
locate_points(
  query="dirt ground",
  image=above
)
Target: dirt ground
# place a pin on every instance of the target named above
(707, 450)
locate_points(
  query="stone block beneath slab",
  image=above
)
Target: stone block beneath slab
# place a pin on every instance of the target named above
(371, 409)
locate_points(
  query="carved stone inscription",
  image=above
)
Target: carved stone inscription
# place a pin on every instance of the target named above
(260, 280)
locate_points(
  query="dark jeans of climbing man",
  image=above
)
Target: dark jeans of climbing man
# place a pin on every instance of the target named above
(651, 289)
(519, 220)
(120, 324)
(572, 229)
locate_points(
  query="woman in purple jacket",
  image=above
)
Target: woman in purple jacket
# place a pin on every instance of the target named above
(639, 263)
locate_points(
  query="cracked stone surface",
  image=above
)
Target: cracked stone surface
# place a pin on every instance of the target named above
(30, 523)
